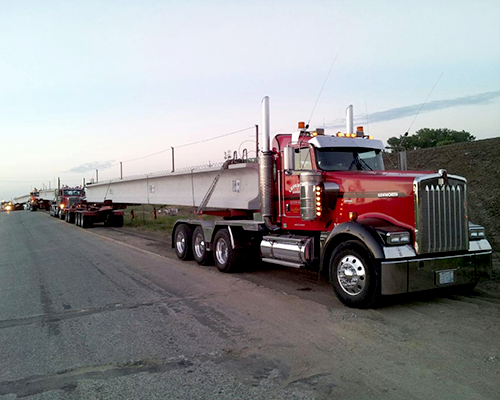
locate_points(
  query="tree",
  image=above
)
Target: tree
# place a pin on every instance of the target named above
(427, 137)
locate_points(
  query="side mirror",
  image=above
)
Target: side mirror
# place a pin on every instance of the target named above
(289, 159)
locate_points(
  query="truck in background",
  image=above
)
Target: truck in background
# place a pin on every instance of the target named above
(33, 200)
(64, 198)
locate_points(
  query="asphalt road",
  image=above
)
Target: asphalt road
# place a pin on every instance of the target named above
(106, 314)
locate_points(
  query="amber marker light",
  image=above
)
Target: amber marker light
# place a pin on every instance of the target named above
(302, 125)
(353, 216)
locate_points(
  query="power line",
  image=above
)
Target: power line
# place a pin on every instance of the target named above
(322, 87)
(423, 104)
(188, 144)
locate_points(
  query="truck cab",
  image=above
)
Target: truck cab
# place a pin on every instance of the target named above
(66, 197)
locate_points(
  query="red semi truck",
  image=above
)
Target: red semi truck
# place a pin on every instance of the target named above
(65, 197)
(327, 202)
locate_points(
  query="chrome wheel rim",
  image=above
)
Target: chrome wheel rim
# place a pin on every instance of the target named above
(221, 251)
(180, 242)
(351, 275)
(199, 246)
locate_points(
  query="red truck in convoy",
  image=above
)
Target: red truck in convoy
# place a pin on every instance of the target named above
(33, 202)
(326, 202)
(65, 198)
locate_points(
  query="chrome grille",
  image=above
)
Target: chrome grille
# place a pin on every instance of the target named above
(441, 214)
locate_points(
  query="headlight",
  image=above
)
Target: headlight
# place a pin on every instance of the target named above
(397, 237)
(61, 206)
(477, 233)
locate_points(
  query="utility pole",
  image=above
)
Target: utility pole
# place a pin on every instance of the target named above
(256, 140)
(173, 160)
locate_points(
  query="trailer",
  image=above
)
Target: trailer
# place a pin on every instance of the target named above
(85, 215)
(323, 202)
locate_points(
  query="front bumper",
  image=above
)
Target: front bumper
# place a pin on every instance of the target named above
(415, 274)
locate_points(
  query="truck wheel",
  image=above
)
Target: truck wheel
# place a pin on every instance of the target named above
(71, 218)
(200, 253)
(183, 236)
(78, 219)
(226, 258)
(354, 275)
(61, 215)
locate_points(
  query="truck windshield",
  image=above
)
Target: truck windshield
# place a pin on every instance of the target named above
(349, 159)
(72, 192)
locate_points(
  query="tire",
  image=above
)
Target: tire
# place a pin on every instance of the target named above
(200, 253)
(66, 217)
(354, 275)
(182, 242)
(86, 222)
(226, 258)
(78, 218)
(466, 289)
(71, 218)
(61, 215)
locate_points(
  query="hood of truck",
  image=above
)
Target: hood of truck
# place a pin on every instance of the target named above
(387, 195)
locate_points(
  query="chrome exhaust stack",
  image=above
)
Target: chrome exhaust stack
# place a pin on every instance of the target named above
(266, 169)
(349, 120)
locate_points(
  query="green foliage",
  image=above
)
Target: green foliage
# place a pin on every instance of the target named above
(144, 218)
(426, 137)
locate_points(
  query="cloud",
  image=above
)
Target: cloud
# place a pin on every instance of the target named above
(92, 166)
(411, 111)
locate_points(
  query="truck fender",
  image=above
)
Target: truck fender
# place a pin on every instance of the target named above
(352, 230)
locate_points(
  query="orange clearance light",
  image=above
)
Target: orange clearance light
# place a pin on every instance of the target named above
(353, 135)
(370, 137)
(353, 216)
(314, 134)
(359, 129)
(340, 134)
(302, 125)
(318, 214)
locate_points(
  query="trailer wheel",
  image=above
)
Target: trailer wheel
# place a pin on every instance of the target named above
(226, 258)
(78, 219)
(354, 275)
(200, 253)
(183, 236)
(86, 222)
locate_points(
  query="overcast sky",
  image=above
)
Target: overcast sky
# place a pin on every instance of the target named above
(86, 84)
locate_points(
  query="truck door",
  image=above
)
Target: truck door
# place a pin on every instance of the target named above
(291, 189)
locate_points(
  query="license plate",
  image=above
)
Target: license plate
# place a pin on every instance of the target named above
(445, 277)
